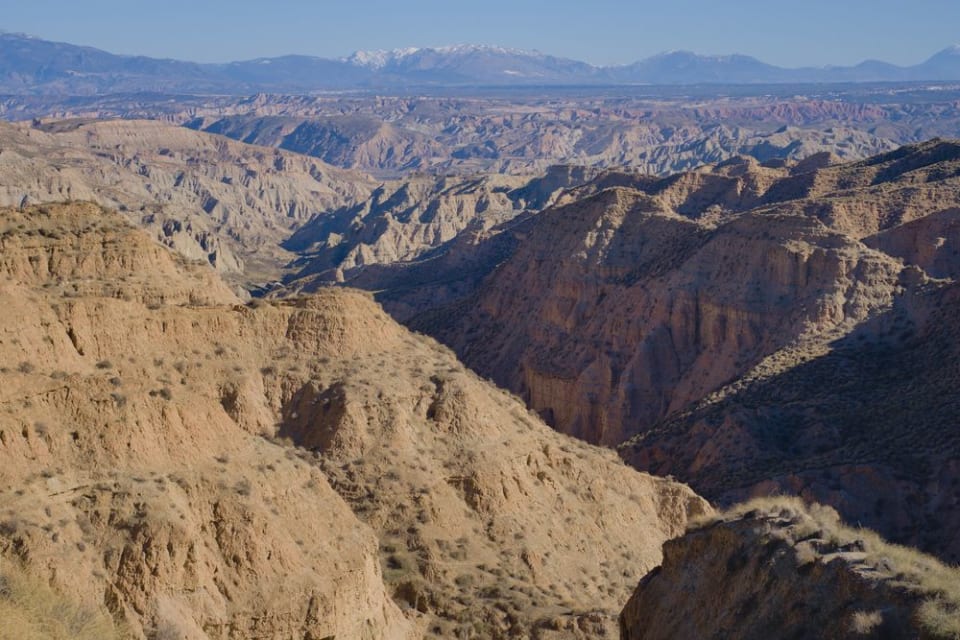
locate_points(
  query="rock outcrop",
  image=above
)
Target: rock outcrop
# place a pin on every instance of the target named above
(777, 569)
(306, 468)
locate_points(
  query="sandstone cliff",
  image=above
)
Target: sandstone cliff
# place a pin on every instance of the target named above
(202, 468)
(636, 299)
(776, 569)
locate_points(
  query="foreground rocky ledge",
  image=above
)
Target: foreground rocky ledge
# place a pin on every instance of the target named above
(774, 568)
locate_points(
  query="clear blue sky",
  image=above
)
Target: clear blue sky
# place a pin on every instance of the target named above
(795, 33)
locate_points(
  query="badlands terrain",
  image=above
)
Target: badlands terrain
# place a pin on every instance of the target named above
(657, 130)
(150, 408)
(649, 362)
(196, 467)
(746, 329)
(179, 464)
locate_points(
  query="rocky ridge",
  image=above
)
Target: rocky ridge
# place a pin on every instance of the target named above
(203, 468)
(714, 316)
(776, 568)
(720, 266)
(205, 196)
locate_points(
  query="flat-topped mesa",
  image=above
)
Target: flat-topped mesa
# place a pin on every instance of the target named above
(775, 568)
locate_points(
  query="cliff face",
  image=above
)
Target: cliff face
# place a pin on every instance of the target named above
(618, 309)
(747, 329)
(201, 468)
(866, 425)
(778, 569)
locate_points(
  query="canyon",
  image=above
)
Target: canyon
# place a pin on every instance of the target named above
(511, 362)
(746, 329)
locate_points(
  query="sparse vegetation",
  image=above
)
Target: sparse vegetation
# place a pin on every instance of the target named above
(30, 609)
(937, 584)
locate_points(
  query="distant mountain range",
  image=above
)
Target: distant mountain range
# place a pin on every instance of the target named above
(31, 65)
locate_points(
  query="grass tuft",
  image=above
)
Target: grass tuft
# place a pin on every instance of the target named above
(937, 584)
(30, 609)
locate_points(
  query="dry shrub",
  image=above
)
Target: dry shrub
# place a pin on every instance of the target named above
(30, 609)
(937, 583)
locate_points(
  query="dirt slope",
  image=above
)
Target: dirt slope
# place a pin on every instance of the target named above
(203, 468)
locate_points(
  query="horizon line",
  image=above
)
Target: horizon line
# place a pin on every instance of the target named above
(520, 50)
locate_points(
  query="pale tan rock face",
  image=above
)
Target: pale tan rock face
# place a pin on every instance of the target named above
(641, 296)
(804, 345)
(208, 197)
(930, 243)
(147, 461)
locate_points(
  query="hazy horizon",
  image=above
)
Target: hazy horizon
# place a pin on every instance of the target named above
(603, 33)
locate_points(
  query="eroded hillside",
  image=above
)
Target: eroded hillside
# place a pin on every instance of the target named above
(804, 311)
(423, 242)
(203, 468)
(208, 197)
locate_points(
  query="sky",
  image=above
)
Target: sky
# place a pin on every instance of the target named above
(795, 33)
